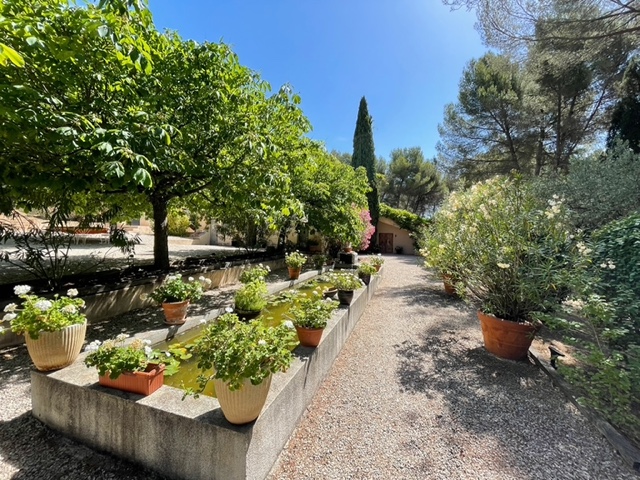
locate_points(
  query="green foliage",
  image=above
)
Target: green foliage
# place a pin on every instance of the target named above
(252, 297)
(178, 224)
(366, 269)
(624, 117)
(516, 254)
(345, 281)
(406, 220)
(364, 156)
(597, 189)
(376, 261)
(236, 351)
(312, 312)
(114, 358)
(37, 314)
(255, 273)
(295, 259)
(319, 260)
(174, 289)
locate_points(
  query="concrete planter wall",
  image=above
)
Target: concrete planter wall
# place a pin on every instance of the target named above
(110, 303)
(190, 439)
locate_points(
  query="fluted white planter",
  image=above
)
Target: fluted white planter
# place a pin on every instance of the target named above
(54, 350)
(243, 405)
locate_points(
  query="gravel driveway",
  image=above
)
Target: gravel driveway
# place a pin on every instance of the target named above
(413, 395)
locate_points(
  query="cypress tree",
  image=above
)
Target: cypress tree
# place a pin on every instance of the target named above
(364, 156)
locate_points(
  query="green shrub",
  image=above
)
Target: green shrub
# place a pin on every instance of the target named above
(178, 224)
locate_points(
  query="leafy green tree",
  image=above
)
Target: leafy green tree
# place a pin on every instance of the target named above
(364, 156)
(412, 183)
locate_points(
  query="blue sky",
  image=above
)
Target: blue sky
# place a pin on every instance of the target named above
(405, 56)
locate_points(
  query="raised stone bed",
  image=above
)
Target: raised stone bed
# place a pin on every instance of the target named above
(190, 439)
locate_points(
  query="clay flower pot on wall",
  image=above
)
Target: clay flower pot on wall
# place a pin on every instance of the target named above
(243, 405)
(175, 313)
(294, 273)
(309, 337)
(54, 350)
(143, 383)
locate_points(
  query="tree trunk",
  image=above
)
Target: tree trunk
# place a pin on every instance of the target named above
(160, 232)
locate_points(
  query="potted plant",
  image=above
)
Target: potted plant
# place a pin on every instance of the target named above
(346, 283)
(377, 262)
(319, 261)
(257, 272)
(240, 359)
(365, 270)
(134, 367)
(310, 316)
(174, 294)
(519, 253)
(250, 299)
(295, 261)
(53, 329)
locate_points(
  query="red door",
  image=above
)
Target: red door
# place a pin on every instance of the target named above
(385, 241)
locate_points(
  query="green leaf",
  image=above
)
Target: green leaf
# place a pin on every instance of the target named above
(10, 54)
(143, 178)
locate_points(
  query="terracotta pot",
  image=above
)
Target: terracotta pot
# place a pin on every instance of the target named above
(348, 249)
(506, 339)
(345, 297)
(365, 277)
(377, 267)
(247, 315)
(449, 287)
(54, 350)
(143, 383)
(243, 405)
(294, 273)
(309, 337)
(175, 313)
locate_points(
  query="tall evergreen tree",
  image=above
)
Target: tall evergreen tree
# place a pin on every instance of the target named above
(364, 156)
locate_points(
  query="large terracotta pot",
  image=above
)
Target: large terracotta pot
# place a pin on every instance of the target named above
(175, 313)
(294, 273)
(345, 297)
(143, 383)
(243, 405)
(506, 339)
(54, 350)
(309, 337)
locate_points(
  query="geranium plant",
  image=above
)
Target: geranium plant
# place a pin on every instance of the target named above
(295, 259)
(257, 272)
(345, 281)
(376, 261)
(319, 261)
(366, 269)
(312, 312)
(235, 351)
(252, 297)
(174, 289)
(112, 357)
(38, 314)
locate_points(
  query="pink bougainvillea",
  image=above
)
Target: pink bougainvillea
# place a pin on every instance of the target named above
(368, 231)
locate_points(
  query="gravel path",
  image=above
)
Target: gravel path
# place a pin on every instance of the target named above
(412, 395)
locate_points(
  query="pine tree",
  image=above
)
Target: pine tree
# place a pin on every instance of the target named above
(364, 156)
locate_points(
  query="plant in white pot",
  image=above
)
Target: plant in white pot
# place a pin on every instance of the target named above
(54, 329)
(240, 358)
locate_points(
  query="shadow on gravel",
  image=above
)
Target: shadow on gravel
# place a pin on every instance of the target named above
(37, 452)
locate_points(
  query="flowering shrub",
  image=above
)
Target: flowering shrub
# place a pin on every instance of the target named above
(235, 351)
(114, 358)
(367, 231)
(295, 259)
(258, 272)
(512, 254)
(174, 289)
(38, 314)
(252, 297)
(345, 281)
(312, 312)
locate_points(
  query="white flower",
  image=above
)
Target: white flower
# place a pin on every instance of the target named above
(72, 292)
(228, 310)
(168, 354)
(289, 324)
(261, 342)
(43, 305)
(11, 307)
(148, 350)
(122, 337)
(575, 304)
(191, 279)
(21, 289)
(208, 281)
(93, 346)
(9, 316)
(70, 309)
(503, 265)
(201, 278)
(146, 341)
(203, 321)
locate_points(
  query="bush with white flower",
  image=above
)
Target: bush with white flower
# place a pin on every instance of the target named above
(232, 351)
(312, 312)
(38, 314)
(514, 254)
(295, 259)
(174, 289)
(112, 357)
(376, 260)
(257, 272)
